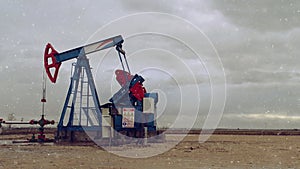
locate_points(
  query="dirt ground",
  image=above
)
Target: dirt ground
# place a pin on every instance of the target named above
(220, 151)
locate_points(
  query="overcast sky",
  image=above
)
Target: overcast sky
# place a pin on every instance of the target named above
(256, 42)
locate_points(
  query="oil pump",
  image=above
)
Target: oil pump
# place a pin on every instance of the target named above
(127, 110)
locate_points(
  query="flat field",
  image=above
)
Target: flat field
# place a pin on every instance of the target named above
(219, 151)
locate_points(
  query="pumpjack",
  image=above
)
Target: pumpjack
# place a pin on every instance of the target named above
(131, 111)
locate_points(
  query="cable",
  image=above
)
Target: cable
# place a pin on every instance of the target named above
(121, 60)
(126, 63)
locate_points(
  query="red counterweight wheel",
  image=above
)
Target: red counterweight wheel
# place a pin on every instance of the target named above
(137, 90)
(123, 77)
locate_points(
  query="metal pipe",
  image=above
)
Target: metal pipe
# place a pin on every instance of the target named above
(15, 122)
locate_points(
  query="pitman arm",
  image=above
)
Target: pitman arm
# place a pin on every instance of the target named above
(53, 59)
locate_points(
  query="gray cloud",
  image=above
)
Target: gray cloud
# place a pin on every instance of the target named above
(263, 77)
(257, 42)
(250, 41)
(267, 15)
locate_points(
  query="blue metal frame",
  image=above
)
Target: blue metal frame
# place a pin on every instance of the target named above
(120, 97)
(82, 63)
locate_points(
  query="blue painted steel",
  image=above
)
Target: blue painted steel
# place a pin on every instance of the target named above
(149, 119)
(80, 128)
(118, 122)
(61, 122)
(67, 55)
(117, 40)
(141, 119)
(152, 95)
(87, 49)
(136, 78)
(73, 88)
(123, 92)
(99, 114)
(152, 128)
(71, 117)
(121, 98)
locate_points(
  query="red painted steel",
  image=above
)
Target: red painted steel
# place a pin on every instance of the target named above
(50, 54)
